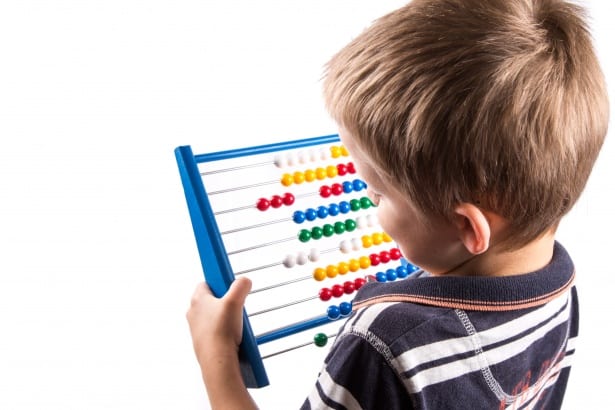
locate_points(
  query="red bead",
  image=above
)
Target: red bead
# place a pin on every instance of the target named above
(288, 199)
(337, 189)
(350, 168)
(358, 283)
(384, 257)
(375, 259)
(348, 287)
(337, 290)
(276, 201)
(395, 254)
(262, 204)
(324, 294)
(325, 191)
(341, 169)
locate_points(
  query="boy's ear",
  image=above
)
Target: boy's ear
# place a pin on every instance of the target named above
(472, 227)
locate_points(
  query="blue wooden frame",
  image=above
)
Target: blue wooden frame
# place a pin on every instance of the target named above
(214, 259)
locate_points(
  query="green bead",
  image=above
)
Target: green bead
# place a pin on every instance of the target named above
(316, 232)
(339, 227)
(328, 230)
(320, 339)
(351, 225)
(304, 235)
(355, 205)
(366, 203)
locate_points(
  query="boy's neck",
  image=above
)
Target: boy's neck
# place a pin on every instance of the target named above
(497, 262)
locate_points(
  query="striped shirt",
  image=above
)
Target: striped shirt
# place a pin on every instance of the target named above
(455, 343)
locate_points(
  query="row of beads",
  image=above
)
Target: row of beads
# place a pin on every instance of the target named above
(322, 211)
(401, 272)
(336, 291)
(346, 246)
(312, 155)
(319, 173)
(354, 265)
(325, 191)
(337, 228)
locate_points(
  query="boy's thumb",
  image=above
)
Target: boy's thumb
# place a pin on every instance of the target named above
(239, 289)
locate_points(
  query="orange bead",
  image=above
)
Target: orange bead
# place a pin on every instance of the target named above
(319, 274)
(287, 180)
(354, 265)
(310, 175)
(332, 271)
(343, 268)
(365, 262)
(298, 177)
(331, 171)
(321, 173)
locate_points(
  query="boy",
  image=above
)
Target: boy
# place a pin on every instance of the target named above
(475, 124)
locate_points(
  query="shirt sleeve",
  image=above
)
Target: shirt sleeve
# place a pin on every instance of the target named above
(356, 375)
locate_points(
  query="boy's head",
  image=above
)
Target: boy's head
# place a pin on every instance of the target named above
(497, 103)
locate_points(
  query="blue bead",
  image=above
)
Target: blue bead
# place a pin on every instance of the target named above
(298, 217)
(358, 184)
(412, 268)
(344, 207)
(381, 277)
(323, 212)
(391, 275)
(345, 308)
(333, 312)
(347, 186)
(402, 272)
(310, 214)
(334, 209)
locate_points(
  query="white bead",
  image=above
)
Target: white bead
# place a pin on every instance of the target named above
(361, 222)
(314, 254)
(290, 159)
(313, 155)
(356, 244)
(302, 157)
(302, 258)
(324, 153)
(372, 220)
(345, 246)
(278, 161)
(289, 261)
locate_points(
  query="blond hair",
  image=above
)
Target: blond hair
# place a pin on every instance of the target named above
(501, 103)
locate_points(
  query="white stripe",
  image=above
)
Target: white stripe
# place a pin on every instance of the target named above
(451, 347)
(419, 381)
(334, 391)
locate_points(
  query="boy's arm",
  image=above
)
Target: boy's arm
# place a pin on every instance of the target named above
(216, 326)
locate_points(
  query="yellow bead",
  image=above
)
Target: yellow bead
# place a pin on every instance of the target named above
(343, 268)
(377, 238)
(298, 177)
(310, 175)
(331, 171)
(335, 152)
(344, 151)
(365, 262)
(331, 271)
(287, 180)
(367, 241)
(319, 274)
(354, 265)
(386, 237)
(321, 173)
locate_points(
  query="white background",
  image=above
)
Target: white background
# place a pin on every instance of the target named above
(97, 257)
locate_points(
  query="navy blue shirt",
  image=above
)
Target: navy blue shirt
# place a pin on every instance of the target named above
(455, 343)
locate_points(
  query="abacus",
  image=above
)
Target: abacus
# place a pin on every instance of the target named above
(251, 208)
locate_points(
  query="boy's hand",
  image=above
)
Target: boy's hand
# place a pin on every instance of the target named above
(216, 324)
